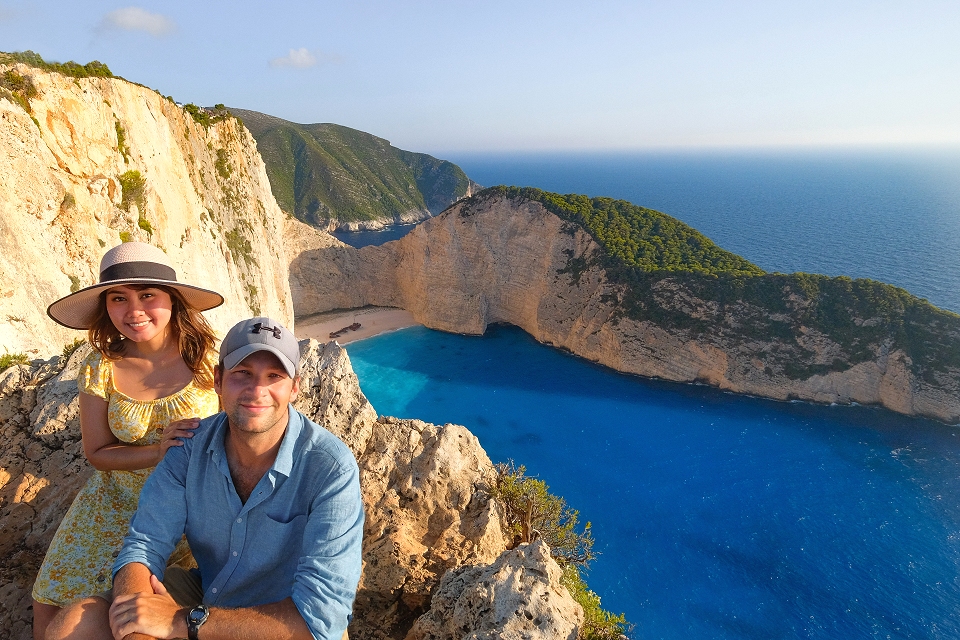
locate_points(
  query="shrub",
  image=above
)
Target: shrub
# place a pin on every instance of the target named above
(252, 299)
(598, 624)
(122, 141)
(19, 88)
(7, 360)
(206, 116)
(222, 164)
(198, 114)
(635, 237)
(126, 236)
(144, 224)
(74, 284)
(240, 247)
(70, 348)
(132, 187)
(95, 69)
(531, 510)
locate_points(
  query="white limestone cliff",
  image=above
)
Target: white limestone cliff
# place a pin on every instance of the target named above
(206, 202)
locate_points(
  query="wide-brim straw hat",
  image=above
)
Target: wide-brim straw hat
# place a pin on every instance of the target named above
(128, 263)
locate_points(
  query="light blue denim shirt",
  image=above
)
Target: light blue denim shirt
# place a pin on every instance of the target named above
(298, 535)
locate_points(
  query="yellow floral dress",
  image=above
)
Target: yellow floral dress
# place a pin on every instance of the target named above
(79, 561)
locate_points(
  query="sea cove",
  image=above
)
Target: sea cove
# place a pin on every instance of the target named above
(717, 516)
(721, 516)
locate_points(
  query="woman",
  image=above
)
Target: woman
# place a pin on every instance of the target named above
(144, 386)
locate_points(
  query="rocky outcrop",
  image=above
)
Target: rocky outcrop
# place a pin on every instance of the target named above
(502, 601)
(41, 470)
(426, 493)
(68, 193)
(499, 260)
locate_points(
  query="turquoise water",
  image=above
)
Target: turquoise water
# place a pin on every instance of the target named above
(720, 516)
(716, 516)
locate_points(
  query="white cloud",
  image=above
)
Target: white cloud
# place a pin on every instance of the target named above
(138, 19)
(302, 58)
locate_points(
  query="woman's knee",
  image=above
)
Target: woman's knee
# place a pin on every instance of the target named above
(42, 615)
(87, 618)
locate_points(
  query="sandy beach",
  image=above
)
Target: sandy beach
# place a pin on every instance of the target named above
(373, 321)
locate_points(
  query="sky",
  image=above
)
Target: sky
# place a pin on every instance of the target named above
(519, 75)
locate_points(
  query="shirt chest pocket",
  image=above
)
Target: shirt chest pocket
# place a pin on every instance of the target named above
(276, 546)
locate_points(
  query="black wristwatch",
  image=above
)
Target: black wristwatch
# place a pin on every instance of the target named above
(195, 619)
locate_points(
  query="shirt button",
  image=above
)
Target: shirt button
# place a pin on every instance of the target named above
(214, 589)
(239, 520)
(234, 553)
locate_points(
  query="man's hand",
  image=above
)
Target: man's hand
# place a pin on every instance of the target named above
(155, 615)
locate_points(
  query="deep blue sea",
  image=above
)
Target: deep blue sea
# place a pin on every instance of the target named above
(720, 516)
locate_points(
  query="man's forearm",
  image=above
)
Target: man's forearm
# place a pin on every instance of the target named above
(274, 620)
(134, 581)
(132, 578)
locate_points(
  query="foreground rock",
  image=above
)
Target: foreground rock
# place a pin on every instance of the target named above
(497, 259)
(41, 470)
(426, 492)
(502, 601)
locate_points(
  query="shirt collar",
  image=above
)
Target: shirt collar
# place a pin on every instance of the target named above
(284, 461)
(217, 432)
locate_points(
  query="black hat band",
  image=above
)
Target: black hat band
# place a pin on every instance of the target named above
(134, 270)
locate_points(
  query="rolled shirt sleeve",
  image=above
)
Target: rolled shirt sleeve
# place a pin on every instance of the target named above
(158, 524)
(328, 571)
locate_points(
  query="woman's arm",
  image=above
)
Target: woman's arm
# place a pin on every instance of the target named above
(106, 453)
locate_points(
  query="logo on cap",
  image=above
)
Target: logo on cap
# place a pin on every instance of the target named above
(257, 328)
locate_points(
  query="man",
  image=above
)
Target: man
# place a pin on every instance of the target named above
(270, 504)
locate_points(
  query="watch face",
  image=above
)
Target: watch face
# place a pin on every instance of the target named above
(197, 615)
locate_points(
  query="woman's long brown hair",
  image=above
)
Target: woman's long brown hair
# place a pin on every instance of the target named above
(194, 336)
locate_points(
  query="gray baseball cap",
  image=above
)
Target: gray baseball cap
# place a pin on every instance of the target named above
(260, 334)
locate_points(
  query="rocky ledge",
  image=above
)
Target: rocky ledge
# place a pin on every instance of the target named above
(433, 539)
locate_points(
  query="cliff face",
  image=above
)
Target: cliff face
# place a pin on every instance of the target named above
(426, 494)
(67, 193)
(497, 260)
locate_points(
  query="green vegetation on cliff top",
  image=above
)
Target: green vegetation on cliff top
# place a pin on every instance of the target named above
(95, 69)
(677, 278)
(320, 172)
